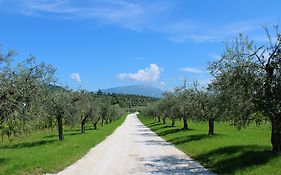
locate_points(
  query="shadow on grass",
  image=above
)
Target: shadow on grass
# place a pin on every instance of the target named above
(171, 131)
(78, 129)
(165, 126)
(3, 160)
(65, 134)
(154, 124)
(27, 144)
(189, 138)
(228, 160)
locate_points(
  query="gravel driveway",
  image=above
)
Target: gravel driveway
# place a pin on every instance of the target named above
(134, 149)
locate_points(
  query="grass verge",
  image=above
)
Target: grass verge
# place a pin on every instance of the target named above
(229, 151)
(42, 153)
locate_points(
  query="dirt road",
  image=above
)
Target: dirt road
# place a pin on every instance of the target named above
(134, 149)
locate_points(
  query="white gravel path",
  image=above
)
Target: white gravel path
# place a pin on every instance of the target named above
(134, 149)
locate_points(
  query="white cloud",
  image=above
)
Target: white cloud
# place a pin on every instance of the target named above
(133, 15)
(192, 70)
(137, 16)
(75, 77)
(183, 31)
(152, 73)
(162, 84)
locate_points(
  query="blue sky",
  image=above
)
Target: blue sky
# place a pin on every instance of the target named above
(107, 43)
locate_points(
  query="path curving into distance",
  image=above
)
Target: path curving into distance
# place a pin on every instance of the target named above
(134, 149)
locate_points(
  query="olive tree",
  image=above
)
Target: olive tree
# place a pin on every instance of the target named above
(186, 100)
(171, 107)
(114, 112)
(207, 104)
(7, 90)
(249, 79)
(82, 107)
(59, 103)
(32, 79)
(151, 110)
(21, 93)
(97, 112)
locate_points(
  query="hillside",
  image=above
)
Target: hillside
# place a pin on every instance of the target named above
(144, 90)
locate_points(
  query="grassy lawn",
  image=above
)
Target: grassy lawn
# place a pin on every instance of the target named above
(42, 152)
(230, 151)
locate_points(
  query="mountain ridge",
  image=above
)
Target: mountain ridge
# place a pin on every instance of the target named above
(144, 90)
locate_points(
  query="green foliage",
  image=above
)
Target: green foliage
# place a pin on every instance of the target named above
(229, 151)
(30, 100)
(246, 88)
(21, 93)
(248, 80)
(187, 100)
(41, 152)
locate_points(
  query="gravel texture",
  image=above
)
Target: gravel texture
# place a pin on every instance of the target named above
(134, 149)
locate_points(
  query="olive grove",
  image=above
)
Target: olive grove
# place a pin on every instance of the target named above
(245, 88)
(30, 100)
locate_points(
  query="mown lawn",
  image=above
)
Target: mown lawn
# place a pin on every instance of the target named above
(42, 153)
(229, 151)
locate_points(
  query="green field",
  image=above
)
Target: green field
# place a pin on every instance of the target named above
(41, 152)
(229, 151)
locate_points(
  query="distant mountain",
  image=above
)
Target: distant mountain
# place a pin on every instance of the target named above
(144, 90)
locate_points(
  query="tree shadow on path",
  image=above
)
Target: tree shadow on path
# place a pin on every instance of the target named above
(167, 165)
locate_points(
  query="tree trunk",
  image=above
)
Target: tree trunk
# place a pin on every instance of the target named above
(276, 134)
(106, 121)
(60, 127)
(95, 125)
(173, 123)
(211, 127)
(82, 127)
(83, 123)
(276, 119)
(164, 121)
(185, 124)
(110, 120)
(51, 124)
(9, 136)
(159, 119)
(102, 121)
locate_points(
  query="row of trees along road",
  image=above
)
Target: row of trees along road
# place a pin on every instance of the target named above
(246, 88)
(30, 100)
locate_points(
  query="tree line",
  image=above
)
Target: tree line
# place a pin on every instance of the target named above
(246, 88)
(30, 100)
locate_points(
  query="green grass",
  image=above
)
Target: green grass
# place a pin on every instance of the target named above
(229, 151)
(42, 153)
